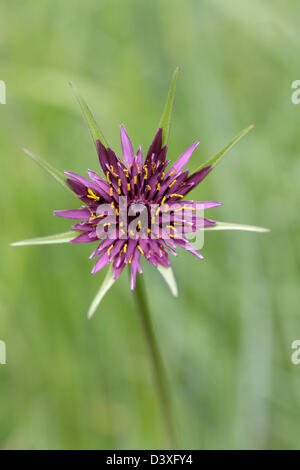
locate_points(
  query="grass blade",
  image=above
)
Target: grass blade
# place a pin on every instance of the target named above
(57, 174)
(168, 275)
(229, 226)
(93, 127)
(165, 120)
(105, 286)
(65, 237)
(216, 158)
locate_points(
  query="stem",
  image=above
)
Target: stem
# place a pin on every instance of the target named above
(157, 364)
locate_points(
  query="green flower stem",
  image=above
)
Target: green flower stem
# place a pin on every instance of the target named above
(157, 364)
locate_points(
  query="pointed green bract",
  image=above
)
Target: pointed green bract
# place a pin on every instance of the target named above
(65, 237)
(105, 286)
(93, 127)
(57, 174)
(229, 226)
(216, 158)
(168, 275)
(165, 120)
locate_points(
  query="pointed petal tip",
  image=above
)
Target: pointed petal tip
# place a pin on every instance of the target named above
(232, 226)
(90, 313)
(168, 275)
(105, 286)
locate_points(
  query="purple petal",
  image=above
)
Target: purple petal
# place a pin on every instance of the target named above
(103, 185)
(100, 263)
(102, 154)
(84, 238)
(119, 265)
(76, 214)
(77, 187)
(84, 181)
(186, 245)
(155, 146)
(184, 158)
(139, 158)
(130, 249)
(127, 149)
(103, 245)
(194, 180)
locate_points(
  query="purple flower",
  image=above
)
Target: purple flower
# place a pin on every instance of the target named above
(139, 208)
(150, 185)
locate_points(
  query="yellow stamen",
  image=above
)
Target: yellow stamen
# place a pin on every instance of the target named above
(107, 224)
(163, 176)
(113, 171)
(128, 186)
(119, 182)
(146, 172)
(158, 186)
(130, 259)
(107, 177)
(185, 207)
(140, 249)
(109, 249)
(92, 195)
(173, 182)
(135, 179)
(149, 187)
(131, 233)
(171, 227)
(125, 248)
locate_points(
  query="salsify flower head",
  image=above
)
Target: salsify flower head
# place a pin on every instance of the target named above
(140, 207)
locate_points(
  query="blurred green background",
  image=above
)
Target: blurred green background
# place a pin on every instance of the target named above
(226, 341)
